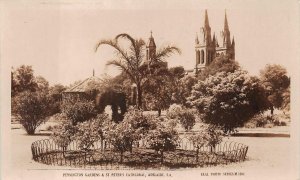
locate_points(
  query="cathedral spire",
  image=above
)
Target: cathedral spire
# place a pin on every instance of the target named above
(196, 39)
(226, 22)
(206, 22)
(226, 33)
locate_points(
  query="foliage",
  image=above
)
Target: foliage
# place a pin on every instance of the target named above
(215, 136)
(139, 122)
(22, 79)
(42, 85)
(56, 97)
(116, 100)
(182, 88)
(184, 115)
(64, 134)
(187, 119)
(163, 138)
(209, 135)
(90, 131)
(286, 99)
(263, 120)
(275, 81)
(78, 111)
(120, 136)
(85, 133)
(228, 99)
(219, 64)
(157, 87)
(133, 128)
(130, 61)
(174, 110)
(31, 108)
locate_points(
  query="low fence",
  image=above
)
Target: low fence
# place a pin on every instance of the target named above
(102, 156)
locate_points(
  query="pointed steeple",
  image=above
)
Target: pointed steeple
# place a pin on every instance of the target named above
(206, 22)
(205, 36)
(226, 22)
(150, 48)
(151, 42)
(226, 33)
(196, 39)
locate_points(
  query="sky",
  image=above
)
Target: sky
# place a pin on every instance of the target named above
(58, 38)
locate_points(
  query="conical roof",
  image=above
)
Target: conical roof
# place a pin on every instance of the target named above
(85, 85)
(151, 42)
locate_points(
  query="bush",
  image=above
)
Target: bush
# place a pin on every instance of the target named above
(162, 138)
(267, 121)
(31, 108)
(89, 132)
(78, 111)
(86, 133)
(185, 116)
(63, 135)
(187, 119)
(174, 110)
(209, 135)
(134, 127)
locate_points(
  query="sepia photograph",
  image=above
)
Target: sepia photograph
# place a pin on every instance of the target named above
(150, 89)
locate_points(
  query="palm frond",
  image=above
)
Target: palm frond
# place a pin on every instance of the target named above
(119, 50)
(136, 45)
(166, 52)
(122, 67)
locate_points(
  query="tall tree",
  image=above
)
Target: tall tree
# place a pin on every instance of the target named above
(275, 81)
(130, 60)
(228, 99)
(22, 79)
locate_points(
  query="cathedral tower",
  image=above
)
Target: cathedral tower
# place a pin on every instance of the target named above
(205, 46)
(150, 49)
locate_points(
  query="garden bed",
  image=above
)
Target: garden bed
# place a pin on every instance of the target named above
(47, 152)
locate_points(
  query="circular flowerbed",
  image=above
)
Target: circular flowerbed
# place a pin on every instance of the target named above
(102, 155)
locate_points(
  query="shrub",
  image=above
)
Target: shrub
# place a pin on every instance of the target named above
(174, 110)
(121, 137)
(134, 127)
(162, 138)
(63, 135)
(185, 116)
(187, 119)
(90, 131)
(139, 122)
(78, 111)
(31, 108)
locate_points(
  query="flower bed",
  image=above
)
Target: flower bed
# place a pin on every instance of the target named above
(102, 156)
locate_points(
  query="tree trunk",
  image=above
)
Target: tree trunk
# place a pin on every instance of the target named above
(197, 154)
(139, 96)
(272, 110)
(161, 157)
(121, 160)
(159, 112)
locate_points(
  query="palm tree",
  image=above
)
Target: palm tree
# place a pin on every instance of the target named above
(130, 61)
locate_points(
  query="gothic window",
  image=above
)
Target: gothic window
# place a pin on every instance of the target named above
(202, 57)
(197, 57)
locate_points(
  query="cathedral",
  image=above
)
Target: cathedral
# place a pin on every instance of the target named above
(208, 48)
